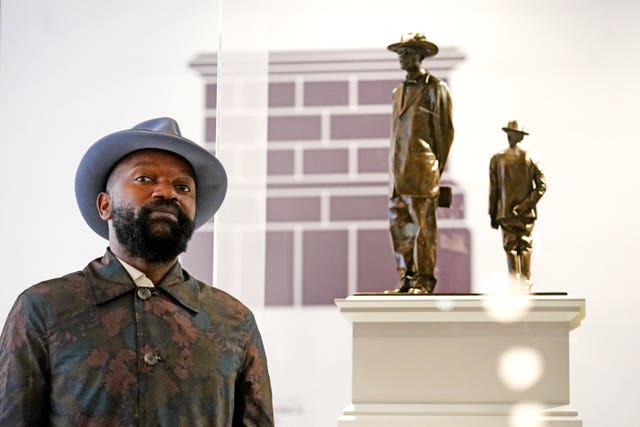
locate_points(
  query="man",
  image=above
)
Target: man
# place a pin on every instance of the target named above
(516, 186)
(422, 134)
(133, 339)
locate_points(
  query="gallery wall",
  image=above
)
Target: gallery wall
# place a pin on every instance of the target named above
(73, 71)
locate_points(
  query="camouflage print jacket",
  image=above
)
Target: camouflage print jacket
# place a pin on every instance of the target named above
(91, 349)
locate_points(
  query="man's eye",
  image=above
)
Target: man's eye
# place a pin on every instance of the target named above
(143, 178)
(183, 188)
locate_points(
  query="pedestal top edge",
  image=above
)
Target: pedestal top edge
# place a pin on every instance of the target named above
(464, 308)
(460, 299)
(548, 409)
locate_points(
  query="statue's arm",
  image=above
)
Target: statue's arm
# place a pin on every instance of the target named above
(539, 188)
(493, 193)
(445, 124)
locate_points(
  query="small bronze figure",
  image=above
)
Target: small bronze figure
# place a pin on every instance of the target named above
(517, 184)
(422, 134)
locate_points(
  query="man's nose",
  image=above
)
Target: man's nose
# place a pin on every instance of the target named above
(165, 190)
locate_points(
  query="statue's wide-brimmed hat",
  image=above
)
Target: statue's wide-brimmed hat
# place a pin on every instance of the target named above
(512, 126)
(162, 134)
(416, 41)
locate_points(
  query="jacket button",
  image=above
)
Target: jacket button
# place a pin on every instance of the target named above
(151, 359)
(144, 293)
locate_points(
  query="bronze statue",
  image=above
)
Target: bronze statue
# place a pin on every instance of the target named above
(517, 184)
(422, 134)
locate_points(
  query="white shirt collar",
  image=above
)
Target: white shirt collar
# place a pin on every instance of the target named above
(138, 277)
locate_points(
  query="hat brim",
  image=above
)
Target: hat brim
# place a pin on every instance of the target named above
(515, 130)
(98, 161)
(425, 47)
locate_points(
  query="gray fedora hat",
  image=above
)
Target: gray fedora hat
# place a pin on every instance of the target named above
(162, 134)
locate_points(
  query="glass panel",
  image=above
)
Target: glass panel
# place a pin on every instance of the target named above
(241, 145)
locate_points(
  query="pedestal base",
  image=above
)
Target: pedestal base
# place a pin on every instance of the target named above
(461, 361)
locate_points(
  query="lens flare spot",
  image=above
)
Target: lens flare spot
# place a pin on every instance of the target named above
(507, 307)
(501, 282)
(520, 368)
(527, 415)
(445, 304)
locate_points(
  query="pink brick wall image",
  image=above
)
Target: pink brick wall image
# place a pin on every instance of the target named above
(327, 185)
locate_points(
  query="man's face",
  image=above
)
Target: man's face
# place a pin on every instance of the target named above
(514, 138)
(151, 201)
(409, 58)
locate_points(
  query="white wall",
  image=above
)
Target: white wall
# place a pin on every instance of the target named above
(72, 71)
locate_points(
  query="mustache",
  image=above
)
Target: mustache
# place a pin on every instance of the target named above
(162, 205)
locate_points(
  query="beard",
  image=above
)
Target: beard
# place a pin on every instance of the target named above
(152, 239)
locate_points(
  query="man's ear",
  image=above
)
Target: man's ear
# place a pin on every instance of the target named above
(103, 203)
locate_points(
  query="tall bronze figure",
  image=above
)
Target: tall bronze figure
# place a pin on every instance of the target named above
(422, 134)
(517, 184)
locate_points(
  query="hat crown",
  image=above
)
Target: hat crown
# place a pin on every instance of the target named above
(160, 124)
(412, 37)
(513, 124)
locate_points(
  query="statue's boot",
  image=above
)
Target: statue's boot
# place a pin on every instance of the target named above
(422, 284)
(404, 284)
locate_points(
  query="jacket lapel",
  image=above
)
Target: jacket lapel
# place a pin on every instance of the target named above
(414, 96)
(397, 101)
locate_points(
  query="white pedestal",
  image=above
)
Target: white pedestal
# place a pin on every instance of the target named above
(461, 361)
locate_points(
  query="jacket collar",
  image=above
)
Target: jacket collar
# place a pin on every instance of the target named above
(108, 280)
(415, 94)
(401, 105)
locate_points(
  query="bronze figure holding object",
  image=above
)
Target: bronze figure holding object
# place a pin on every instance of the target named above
(422, 134)
(516, 186)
